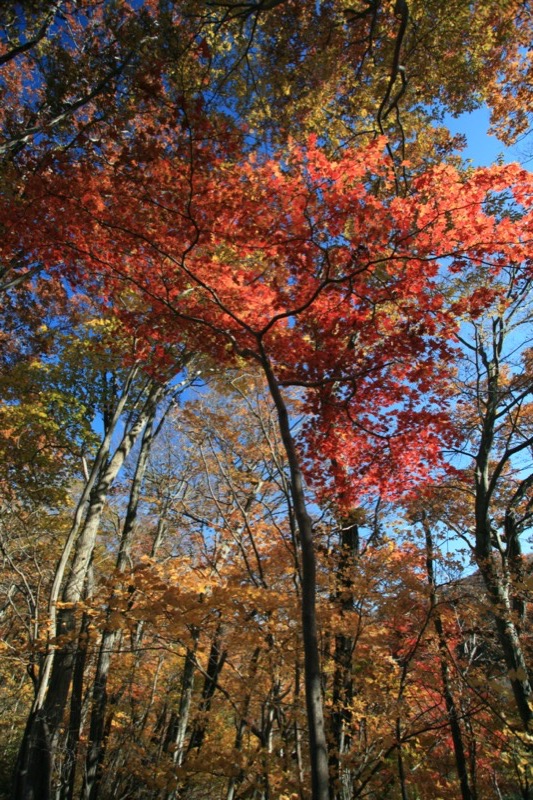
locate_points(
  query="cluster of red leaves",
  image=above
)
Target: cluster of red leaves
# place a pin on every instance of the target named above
(300, 261)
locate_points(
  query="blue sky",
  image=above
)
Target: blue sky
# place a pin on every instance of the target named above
(481, 148)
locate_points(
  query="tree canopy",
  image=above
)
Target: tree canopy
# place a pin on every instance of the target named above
(265, 401)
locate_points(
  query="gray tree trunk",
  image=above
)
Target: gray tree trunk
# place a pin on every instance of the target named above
(33, 775)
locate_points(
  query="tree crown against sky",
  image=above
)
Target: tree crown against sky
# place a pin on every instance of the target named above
(72, 71)
(263, 192)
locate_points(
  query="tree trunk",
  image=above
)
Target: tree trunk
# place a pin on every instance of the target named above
(318, 753)
(341, 716)
(68, 772)
(184, 709)
(498, 591)
(96, 747)
(234, 782)
(36, 759)
(497, 581)
(451, 709)
(216, 660)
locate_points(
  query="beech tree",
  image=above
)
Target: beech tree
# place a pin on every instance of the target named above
(493, 492)
(131, 406)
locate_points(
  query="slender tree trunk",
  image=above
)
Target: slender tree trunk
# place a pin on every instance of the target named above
(497, 581)
(184, 709)
(497, 584)
(241, 723)
(68, 773)
(96, 748)
(461, 762)
(509, 638)
(318, 752)
(298, 732)
(179, 720)
(36, 758)
(215, 662)
(399, 758)
(341, 716)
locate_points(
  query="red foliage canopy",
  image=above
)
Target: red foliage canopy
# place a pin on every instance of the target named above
(309, 263)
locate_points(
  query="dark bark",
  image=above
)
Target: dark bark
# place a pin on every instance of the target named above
(497, 579)
(318, 752)
(216, 660)
(241, 724)
(399, 759)
(497, 584)
(343, 691)
(510, 642)
(68, 772)
(34, 764)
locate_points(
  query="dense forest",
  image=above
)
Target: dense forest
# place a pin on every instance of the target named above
(266, 421)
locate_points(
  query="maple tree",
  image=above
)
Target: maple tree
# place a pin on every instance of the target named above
(326, 285)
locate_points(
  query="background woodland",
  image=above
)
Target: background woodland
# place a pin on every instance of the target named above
(266, 422)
